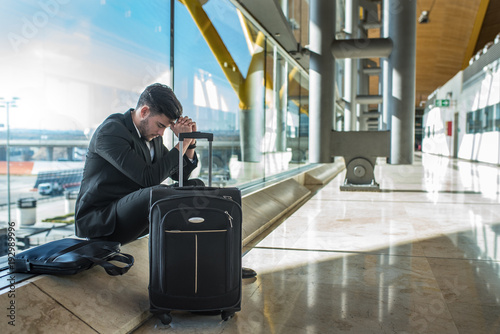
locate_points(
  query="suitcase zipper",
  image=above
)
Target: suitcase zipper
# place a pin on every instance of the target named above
(229, 253)
(230, 218)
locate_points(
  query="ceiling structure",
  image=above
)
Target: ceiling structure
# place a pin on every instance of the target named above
(456, 30)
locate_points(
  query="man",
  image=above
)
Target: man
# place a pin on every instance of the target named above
(126, 158)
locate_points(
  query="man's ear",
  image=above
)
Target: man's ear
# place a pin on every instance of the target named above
(144, 112)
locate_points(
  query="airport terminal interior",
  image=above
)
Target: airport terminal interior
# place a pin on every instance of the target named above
(364, 136)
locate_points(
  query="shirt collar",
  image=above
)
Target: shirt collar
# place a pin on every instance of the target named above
(136, 129)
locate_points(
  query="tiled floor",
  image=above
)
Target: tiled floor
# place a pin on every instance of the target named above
(421, 256)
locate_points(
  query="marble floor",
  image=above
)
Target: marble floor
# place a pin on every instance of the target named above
(421, 256)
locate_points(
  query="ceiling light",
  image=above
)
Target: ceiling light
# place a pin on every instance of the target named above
(424, 17)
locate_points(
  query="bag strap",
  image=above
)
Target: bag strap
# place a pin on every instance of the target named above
(111, 268)
(77, 245)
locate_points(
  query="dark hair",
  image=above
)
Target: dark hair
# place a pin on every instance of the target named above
(161, 99)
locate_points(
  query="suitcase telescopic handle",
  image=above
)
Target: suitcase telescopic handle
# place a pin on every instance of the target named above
(195, 135)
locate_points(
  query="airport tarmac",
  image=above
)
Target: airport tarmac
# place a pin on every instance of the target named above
(40, 232)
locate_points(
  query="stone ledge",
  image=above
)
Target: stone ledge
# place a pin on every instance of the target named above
(264, 207)
(324, 173)
(93, 301)
(89, 302)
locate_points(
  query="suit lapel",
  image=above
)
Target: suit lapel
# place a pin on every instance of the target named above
(145, 149)
(157, 143)
(140, 144)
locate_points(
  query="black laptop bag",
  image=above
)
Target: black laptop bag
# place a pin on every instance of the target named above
(70, 256)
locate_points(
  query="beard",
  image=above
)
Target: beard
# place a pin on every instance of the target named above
(144, 129)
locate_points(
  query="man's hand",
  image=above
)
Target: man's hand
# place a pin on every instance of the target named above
(185, 124)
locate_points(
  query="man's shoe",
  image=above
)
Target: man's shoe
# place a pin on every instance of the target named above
(248, 273)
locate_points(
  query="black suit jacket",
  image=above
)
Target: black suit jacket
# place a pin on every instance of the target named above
(118, 163)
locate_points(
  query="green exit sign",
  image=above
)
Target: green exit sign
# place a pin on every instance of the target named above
(442, 103)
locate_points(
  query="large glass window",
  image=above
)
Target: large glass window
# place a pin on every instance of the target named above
(286, 137)
(478, 120)
(298, 117)
(470, 122)
(297, 14)
(67, 65)
(483, 120)
(232, 80)
(70, 64)
(497, 117)
(489, 116)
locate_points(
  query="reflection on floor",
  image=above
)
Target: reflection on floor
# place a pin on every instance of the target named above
(422, 256)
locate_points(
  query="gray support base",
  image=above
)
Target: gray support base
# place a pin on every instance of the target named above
(360, 176)
(360, 150)
(360, 187)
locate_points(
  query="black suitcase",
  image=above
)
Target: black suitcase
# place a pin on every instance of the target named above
(195, 247)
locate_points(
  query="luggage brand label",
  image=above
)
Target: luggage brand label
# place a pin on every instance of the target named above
(196, 220)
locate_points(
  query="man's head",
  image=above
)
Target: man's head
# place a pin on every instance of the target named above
(161, 100)
(157, 109)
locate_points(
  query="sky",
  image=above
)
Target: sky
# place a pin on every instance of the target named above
(71, 63)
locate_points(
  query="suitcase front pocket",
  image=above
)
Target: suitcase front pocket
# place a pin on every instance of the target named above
(197, 260)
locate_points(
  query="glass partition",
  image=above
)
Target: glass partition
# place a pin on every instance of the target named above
(232, 80)
(497, 117)
(297, 13)
(70, 64)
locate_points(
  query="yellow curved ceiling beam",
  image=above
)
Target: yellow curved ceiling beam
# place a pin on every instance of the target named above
(226, 61)
(215, 43)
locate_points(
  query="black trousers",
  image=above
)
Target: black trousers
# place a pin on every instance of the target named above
(132, 214)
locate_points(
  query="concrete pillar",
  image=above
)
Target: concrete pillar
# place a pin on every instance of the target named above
(70, 151)
(321, 79)
(350, 79)
(363, 90)
(402, 29)
(280, 91)
(50, 153)
(252, 127)
(385, 68)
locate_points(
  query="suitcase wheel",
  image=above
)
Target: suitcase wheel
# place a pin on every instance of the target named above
(226, 315)
(165, 318)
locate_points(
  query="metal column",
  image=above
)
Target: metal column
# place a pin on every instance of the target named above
(384, 65)
(351, 68)
(280, 92)
(321, 79)
(402, 29)
(252, 125)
